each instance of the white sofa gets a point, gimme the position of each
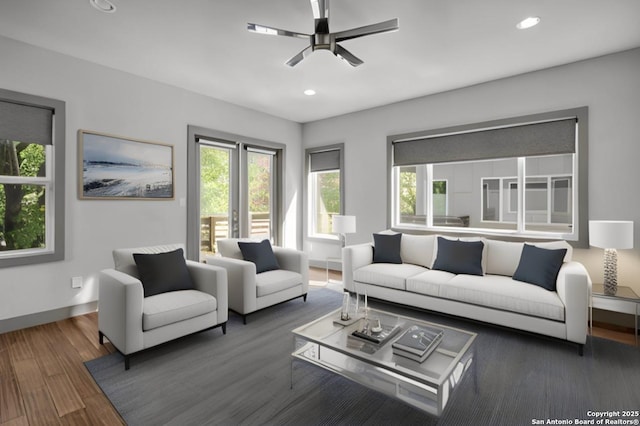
(494, 297)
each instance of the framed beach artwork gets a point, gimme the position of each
(118, 168)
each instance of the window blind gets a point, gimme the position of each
(545, 138)
(324, 160)
(24, 123)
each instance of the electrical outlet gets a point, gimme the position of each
(76, 282)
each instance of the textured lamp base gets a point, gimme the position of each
(610, 271)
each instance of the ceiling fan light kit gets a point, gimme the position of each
(323, 39)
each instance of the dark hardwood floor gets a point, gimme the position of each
(43, 380)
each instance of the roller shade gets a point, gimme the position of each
(324, 160)
(547, 138)
(24, 123)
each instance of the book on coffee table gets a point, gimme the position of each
(418, 342)
(380, 337)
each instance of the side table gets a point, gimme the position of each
(625, 301)
(329, 260)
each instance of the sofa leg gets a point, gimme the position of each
(126, 362)
(100, 337)
(304, 297)
(224, 328)
(244, 319)
(580, 349)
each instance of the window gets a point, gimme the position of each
(516, 177)
(325, 189)
(31, 179)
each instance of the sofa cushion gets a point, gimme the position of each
(386, 248)
(417, 249)
(429, 282)
(277, 280)
(503, 257)
(540, 266)
(459, 257)
(168, 308)
(261, 254)
(163, 272)
(504, 293)
(389, 275)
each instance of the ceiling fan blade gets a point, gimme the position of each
(343, 53)
(380, 27)
(262, 29)
(320, 9)
(300, 56)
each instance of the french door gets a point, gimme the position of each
(238, 190)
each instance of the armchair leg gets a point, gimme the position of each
(100, 337)
(244, 319)
(580, 349)
(304, 297)
(126, 362)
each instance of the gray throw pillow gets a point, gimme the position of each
(459, 257)
(539, 266)
(163, 272)
(261, 254)
(386, 248)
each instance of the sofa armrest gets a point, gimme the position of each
(241, 279)
(355, 257)
(120, 301)
(212, 280)
(574, 289)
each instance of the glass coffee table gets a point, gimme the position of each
(425, 385)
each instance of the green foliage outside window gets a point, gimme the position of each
(22, 207)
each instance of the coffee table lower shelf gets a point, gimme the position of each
(429, 397)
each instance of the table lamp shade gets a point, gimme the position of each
(344, 224)
(611, 235)
(615, 234)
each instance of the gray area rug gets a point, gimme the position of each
(244, 377)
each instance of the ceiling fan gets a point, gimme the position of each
(322, 39)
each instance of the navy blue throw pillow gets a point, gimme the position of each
(539, 266)
(459, 257)
(386, 248)
(261, 254)
(163, 272)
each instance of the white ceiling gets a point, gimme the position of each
(203, 45)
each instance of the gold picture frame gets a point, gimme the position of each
(114, 167)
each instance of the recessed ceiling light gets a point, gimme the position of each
(529, 22)
(309, 92)
(103, 5)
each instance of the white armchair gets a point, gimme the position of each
(133, 322)
(250, 291)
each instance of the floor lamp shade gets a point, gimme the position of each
(611, 235)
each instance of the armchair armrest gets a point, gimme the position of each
(212, 280)
(294, 260)
(574, 289)
(241, 278)
(355, 257)
(120, 301)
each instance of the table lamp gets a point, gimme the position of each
(611, 235)
(343, 225)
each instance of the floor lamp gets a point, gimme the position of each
(611, 235)
(343, 225)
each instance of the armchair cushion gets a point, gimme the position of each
(168, 308)
(163, 272)
(274, 281)
(261, 254)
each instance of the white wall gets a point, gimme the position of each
(104, 100)
(609, 86)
